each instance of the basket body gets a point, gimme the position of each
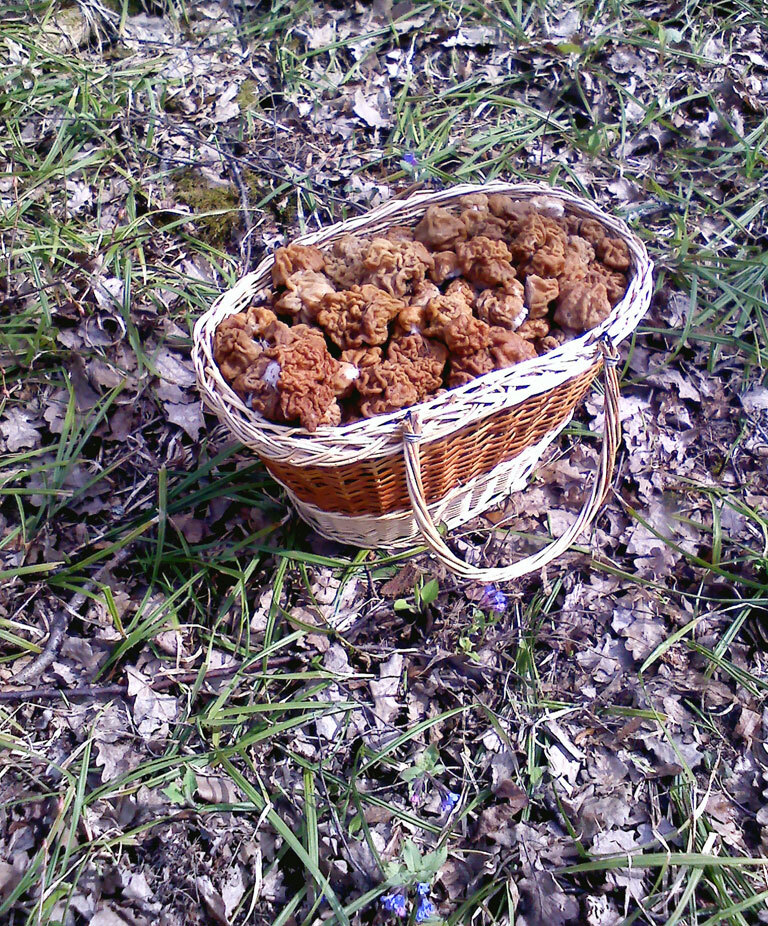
(479, 441)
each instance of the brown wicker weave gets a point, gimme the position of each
(378, 486)
(384, 480)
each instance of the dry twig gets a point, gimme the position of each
(109, 691)
(60, 623)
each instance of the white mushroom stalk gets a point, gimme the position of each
(271, 374)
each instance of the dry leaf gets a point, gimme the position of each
(756, 400)
(212, 899)
(136, 888)
(19, 429)
(232, 890)
(498, 823)
(384, 691)
(565, 27)
(369, 113)
(109, 293)
(173, 368)
(106, 916)
(152, 712)
(544, 903)
(188, 416)
(116, 759)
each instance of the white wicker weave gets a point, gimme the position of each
(464, 503)
(592, 504)
(383, 435)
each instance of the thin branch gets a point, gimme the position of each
(60, 622)
(245, 204)
(110, 691)
(50, 694)
(43, 660)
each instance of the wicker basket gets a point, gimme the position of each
(383, 481)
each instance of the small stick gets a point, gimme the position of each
(109, 691)
(184, 678)
(60, 623)
(245, 204)
(40, 663)
(50, 694)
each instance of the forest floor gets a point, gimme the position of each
(209, 714)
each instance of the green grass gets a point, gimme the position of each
(221, 574)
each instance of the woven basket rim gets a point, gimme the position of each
(380, 435)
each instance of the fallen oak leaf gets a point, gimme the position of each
(19, 429)
(173, 369)
(515, 796)
(151, 711)
(367, 112)
(188, 416)
(497, 823)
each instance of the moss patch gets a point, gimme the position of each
(195, 192)
(134, 7)
(283, 207)
(248, 95)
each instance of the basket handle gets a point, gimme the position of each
(600, 487)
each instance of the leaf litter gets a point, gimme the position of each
(608, 706)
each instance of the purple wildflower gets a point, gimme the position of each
(423, 889)
(494, 599)
(425, 910)
(395, 903)
(417, 791)
(410, 158)
(449, 800)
